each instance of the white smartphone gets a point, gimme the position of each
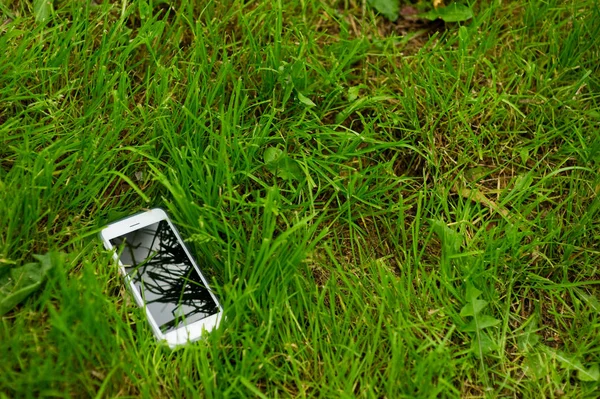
(163, 277)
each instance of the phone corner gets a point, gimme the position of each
(160, 212)
(102, 237)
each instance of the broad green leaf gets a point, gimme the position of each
(389, 8)
(9, 301)
(524, 153)
(353, 93)
(452, 13)
(479, 323)
(535, 365)
(42, 9)
(529, 338)
(589, 300)
(288, 169)
(483, 344)
(472, 292)
(473, 308)
(486, 321)
(48, 260)
(451, 239)
(591, 374)
(22, 281)
(19, 277)
(569, 362)
(305, 100)
(281, 165)
(272, 155)
(145, 9)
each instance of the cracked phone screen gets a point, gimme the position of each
(167, 280)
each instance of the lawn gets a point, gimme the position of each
(386, 209)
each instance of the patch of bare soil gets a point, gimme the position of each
(409, 24)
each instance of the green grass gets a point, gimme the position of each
(436, 236)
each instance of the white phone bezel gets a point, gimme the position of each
(182, 335)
